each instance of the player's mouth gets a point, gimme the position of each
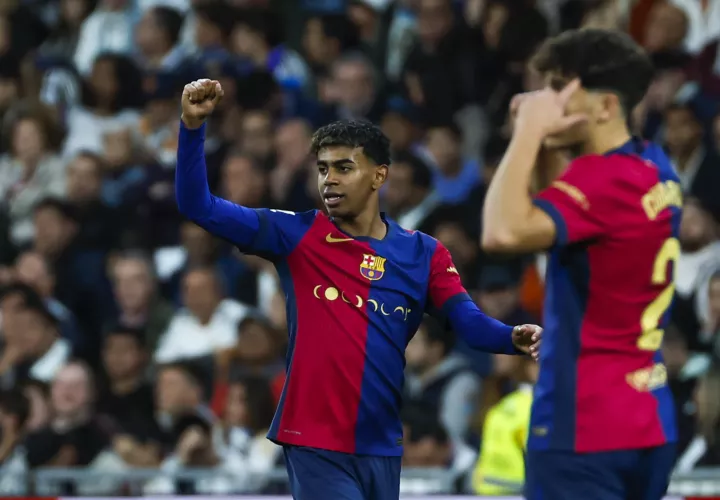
(332, 199)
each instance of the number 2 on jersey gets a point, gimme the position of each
(652, 336)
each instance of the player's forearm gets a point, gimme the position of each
(220, 217)
(480, 331)
(508, 204)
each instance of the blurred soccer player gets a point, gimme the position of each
(357, 286)
(602, 422)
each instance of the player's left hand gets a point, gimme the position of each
(527, 339)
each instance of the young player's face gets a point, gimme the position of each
(347, 179)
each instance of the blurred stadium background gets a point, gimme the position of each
(140, 356)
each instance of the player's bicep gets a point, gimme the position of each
(279, 232)
(445, 289)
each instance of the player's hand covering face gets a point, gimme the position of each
(347, 179)
(199, 99)
(527, 338)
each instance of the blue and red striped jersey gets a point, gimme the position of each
(352, 306)
(609, 290)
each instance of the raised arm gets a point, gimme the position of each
(265, 232)
(227, 220)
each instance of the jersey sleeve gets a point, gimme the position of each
(279, 231)
(444, 285)
(582, 201)
(450, 303)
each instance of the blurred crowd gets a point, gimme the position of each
(131, 338)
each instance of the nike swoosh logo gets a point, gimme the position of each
(329, 238)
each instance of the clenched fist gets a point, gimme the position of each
(199, 99)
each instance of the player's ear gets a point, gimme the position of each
(610, 107)
(381, 173)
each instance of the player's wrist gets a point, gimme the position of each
(530, 131)
(191, 123)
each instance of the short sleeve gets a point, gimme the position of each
(444, 287)
(279, 232)
(579, 201)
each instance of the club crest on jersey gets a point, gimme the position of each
(372, 266)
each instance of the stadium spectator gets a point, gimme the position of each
(38, 394)
(137, 297)
(684, 138)
(31, 170)
(703, 450)
(500, 469)
(454, 176)
(428, 445)
(108, 29)
(240, 437)
(75, 437)
(32, 269)
(409, 196)
(157, 37)
(180, 389)
(14, 415)
(441, 380)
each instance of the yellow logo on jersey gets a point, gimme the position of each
(661, 196)
(648, 379)
(573, 192)
(331, 294)
(372, 266)
(452, 270)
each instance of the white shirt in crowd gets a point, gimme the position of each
(187, 338)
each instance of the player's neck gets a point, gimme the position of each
(364, 225)
(606, 139)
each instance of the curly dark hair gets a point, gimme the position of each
(354, 134)
(602, 60)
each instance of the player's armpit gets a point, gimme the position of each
(537, 232)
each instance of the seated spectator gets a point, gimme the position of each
(111, 96)
(195, 449)
(128, 398)
(441, 379)
(699, 257)
(44, 351)
(31, 170)
(207, 324)
(32, 348)
(704, 449)
(200, 249)
(257, 353)
(157, 36)
(684, 368)
(108, 28)
(179, 390)
(257, 36)
(500, 469)
(80, 280)
(694, 162)
(137, 297)
(14, 415)
(75, 438)
(38, 394)
(241, 436)
(426, 444)
(454, 176)
(32, 269)
(409, 196)
(101, 227)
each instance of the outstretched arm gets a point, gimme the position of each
(451, 302)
